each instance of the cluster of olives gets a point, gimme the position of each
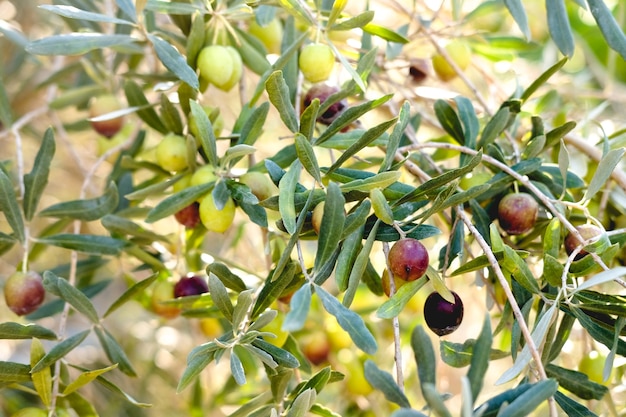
(408, 261)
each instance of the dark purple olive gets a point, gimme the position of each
(441, 316)
(194, 285)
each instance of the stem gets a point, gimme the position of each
(395, 322)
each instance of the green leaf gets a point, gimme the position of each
(253, 126)
(384, 33)
(77, 43)
(491, 407)
(205, 131)
(35, 181)
(300, 305)
(252, 52)
(480, 359)
(230, 280)
(527, 402)
(361, 143)
(14, 372)
(348, 116)
(77, 299)
(318, 381)
(133, 291)
(384, 382)
(42, 380)
(302, 404)
(359, 267)
(559, 26)
(281, 356)
(86, 210)
(606, 166)
(530, 90)
(424, 356)
(119, 225)
(516, 8)
(171, 117)
(236, 368)
(85, 378)
(118, 391)
(176, 202)
(571, 407)
(381, 180)
(449, 120)
(358, 21)
(198, 359)
(520, 270)
(307, 157)
(396, 136)
(242, 308)
(381, 207)
(6, 116)
(609, 27)
(459, 355)
(403, 412)
(60, 350)
(92, 244)
(393, 306)
(350, 321)
(333, 219)
(601, 278)
(114, 351)
(538, 337)
(599, 333)
(495, 126)
(14, 331)
(278, 93)
(576, 382)
(220, 297)
(75, 13)
(9, 206)
(174, 61)
(136, 98)
(286, 190)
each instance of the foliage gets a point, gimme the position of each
(296, 321)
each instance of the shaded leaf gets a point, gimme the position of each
(9, 206)
(559, 26)
(307, 157)
(220, 297)
(85, 378)
(609, 27)
(75, 13)
(92, 244)
(571, 407)
(77, 43)
(174, 61)
(77, 299)
(384, 382)
(136, 289)
(14, 331)
(114, 351)
(576, 382)
(60, 350)
(286, 190)
(333, 219)
(605, 167)
(14, 372)
(35, 181)
(278, 93)
(176, 202)
(350, 321)
(300, 305)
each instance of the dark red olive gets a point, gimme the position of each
(194, 285)
(322, 92)
(517, 213)
(189, 216)
(443, 317)
(408, 259)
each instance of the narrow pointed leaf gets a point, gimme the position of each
(333, 220)
(449, 120)
(559, 26)
(396, 136)
(86, 210)
(136, 98)
(480, 359)
(530, 90)
(92, 244)
(516, 8)
(384, 382)
(85, 378)
(576, 382)
(300, 304)
(236, 368)
(76, 13)
(14, 331)
(6, 116)
(220, 297)
(286, 190)
(176, 202)
(114, 351)
(605, 167)
(174, 61)
(281, 356)
(9, 206)
(35, 181)
(571, 407)
(350, 321)
(424, 356)
(60, 350)
(278, 93)
(205, 130)
(42, 380)
(78, 300)
(77, 43)
(527, 402)
(393, 306)
(494, 127)
(14, 372)
(360, 266)
(609, 27)
(307, 157)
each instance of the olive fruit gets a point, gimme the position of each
(24, 292)
(408, 259)
(271, 34)
(214, 219)
(101, 105)
(164, 291)
(171, 153)
(517, 213)
(203, 175)
(189, 216)
(592, 365)
(418, 70)
(443, 317)
(459, 52)
(193, 285)
(220, 65)
(386, 283)
(214, 115)
(587, 231)
(322, 92)
(316, 62)
(260, 184)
